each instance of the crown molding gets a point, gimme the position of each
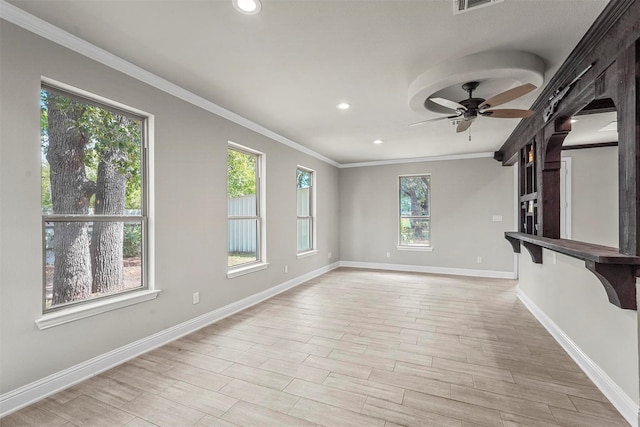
(416, 160)
(19, 17)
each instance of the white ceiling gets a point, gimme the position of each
(287, 67)
(588, 129)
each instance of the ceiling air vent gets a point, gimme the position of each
(460, 6)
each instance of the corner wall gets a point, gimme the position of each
(465, 196)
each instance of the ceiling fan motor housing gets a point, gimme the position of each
(471, 105)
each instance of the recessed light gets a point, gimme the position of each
(248, 7)
(343, 106)
(378, 141)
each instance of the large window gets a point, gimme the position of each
(244, 205)
(93, 199)
(415, 211)
(305, 200)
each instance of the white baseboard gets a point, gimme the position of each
(37, 390)
(429, 269)
(623, 403)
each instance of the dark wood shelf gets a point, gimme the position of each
(530, 196)
(576, 249)
(616, 271)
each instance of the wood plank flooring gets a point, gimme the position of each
(349, 348)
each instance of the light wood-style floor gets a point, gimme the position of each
(350, 348)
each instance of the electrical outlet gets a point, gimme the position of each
(196, 297)
(555, 260)
(479, 260)
(286, 268)
(497, 218)
(329, 255)
(388, 254)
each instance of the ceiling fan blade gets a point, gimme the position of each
(433, 120)
(508, 95)
(463, 125)
(449, 104)
(508, 113)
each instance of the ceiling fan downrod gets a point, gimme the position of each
(470, 87)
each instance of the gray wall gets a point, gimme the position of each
(571, 296)
(594, 196)
(190, 212)
(465, 195)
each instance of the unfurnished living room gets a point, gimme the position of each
(319, 213)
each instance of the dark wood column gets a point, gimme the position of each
(628, 103)
(619, 82)
(549, 163)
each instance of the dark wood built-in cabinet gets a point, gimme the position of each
(606, 64)
(528, 190)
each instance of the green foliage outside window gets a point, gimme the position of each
(241, 174)
(303, 178)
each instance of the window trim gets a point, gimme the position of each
(261, 209)
(413, 247)
(95, 306)
(312, 250)
(82, 309)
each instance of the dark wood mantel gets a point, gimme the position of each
(616, 271)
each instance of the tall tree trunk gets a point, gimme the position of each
(107, 240)
(416, 210)
(70, 194)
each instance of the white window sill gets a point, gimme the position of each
(307, 253)
(416, 248)
(246, 270)
(82, 311)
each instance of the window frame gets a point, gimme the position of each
(75, 310)
(312, 250)
(261, 236)
(413, 247)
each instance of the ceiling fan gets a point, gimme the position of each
(467, 110)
